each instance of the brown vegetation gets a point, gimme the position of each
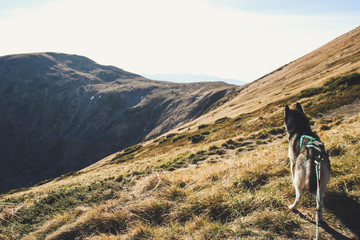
(232, 182)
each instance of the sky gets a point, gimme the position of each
(228, 39)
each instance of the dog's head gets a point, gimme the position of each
(296, 120)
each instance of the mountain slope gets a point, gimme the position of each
(338, 57)
(224, 177)
(62, 112)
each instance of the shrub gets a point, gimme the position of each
(343, 81)
(197, 138)
(215, 150)
(325, 127)
(199, 156)
(178, 162)
(125, 155)
(213, 147)
(259, 142)
(325, 121)
(310, 92)
(230, 144)
(206, 133)
(221, 120)
(171, 135)
(260, 135)
(242, 116)
(178, 137)
(132, 149)
(203, 126)
(120, 158)
(336, 92)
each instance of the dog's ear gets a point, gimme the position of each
(287, 110)
(299, 107)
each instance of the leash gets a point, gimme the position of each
(318, 175)
(319, 147)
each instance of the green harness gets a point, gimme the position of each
(315, 144)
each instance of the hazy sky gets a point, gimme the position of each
(238, 39)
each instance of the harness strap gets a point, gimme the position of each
(314, 143)
(308, 137)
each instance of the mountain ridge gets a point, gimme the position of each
(63, 112)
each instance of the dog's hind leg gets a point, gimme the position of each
(299, 188)
(297, 199)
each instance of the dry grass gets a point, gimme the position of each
(228, 179)
(309, 71)
(242, 195)
(232, 195)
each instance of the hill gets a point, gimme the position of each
(224, 175)
(338, 57)
(62, 112)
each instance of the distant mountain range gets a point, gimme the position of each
(60, 113)
(189, 78)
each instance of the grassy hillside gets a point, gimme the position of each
(227, 179)
(339, 57)
(223, 176)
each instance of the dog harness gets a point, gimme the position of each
(314, 143)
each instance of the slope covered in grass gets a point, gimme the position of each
(226, 179)
(337, 58)
(224, 175)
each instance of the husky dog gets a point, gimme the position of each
(305, 150)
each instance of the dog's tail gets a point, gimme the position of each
(311, 184)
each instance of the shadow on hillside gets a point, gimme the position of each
(323, 225)
(346, 208)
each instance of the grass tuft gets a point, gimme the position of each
(274, 222)
(336, 150)
(152, 211)
(94, 221)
